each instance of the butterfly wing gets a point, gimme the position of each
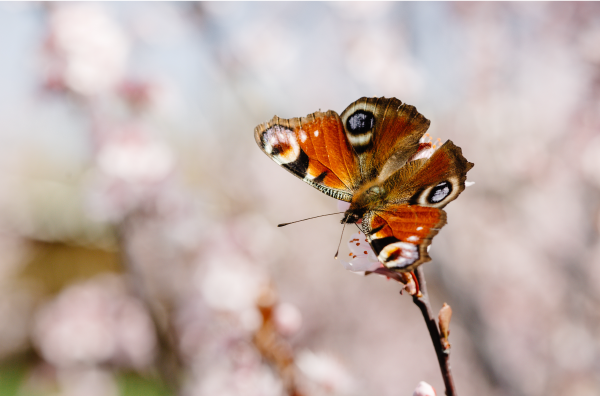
(433, 182)
(372, 144)
(384, 133)
(373, 138)
(401, 231)
(315, 149)
(401, 236)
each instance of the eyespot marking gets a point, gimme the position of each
(360, 122)
(281, 144)
(437, 195)
(439, 192)
(399, 255)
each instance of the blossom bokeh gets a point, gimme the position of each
(140, 253)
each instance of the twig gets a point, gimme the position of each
(421, 299)
(273, 348)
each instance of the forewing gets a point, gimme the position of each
(315, 149)
(400, 236)
(384, 133)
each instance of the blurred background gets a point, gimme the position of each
(139, 248)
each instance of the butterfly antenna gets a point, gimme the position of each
(340, 243)
(284, 224)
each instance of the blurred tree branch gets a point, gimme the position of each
(168, 360)
(272, 346)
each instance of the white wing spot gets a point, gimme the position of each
(419, 228)
(406, 253)
(440, 193)
(413, 238)
(303, 136)
(316, 133)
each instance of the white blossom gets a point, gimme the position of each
(362, 258)
(89, 49)
(424, 389)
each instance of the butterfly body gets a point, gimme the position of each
(373, 156)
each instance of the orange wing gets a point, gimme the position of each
(400, 236)
(315, 149)
(384, 133)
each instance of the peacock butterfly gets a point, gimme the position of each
(374, 156)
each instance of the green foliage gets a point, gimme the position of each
(12, 374)
(132, 384)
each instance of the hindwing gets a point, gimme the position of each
(431, 182)
(400, 232)
(400, 236)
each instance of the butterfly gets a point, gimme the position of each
(374, 156)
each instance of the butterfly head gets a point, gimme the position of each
(351, 217)
(364, 200)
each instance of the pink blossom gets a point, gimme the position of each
(95, 322)
(426, 147)
(288, 318)
(326, 371)
(88, 51)
(230, 282)
(132, 169)
(133, 156)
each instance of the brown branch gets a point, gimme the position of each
(421, 299)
